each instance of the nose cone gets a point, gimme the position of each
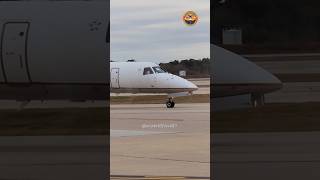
(181, 84)
(189, 85)
(230, 69)
(185, 85)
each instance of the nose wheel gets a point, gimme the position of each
(170, 103)
(257, 100)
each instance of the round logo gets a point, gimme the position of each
(190, 18)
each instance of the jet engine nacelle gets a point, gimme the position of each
(54, 50)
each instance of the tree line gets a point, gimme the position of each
(193, 67)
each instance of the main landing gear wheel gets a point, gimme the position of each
(170, 103)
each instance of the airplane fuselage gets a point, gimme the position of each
(145, 77)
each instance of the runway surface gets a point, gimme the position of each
(288, 67)
(266, 156)
(152, 140)
(298, 92)
(295, 92)
(53, 157)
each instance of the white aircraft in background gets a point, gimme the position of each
(147, 77)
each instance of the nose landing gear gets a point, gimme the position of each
(257, 99)
(170, 103)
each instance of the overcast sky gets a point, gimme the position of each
(153, 30)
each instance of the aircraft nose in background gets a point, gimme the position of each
(235, 75)
(230, 68)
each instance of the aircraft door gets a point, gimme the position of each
(115, 78)
(14, 52)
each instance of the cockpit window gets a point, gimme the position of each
(158, 69)
(147, 71)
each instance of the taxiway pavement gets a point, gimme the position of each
(150, 139)
(266, 156)
(53, 157)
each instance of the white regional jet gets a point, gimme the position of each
(147, 77)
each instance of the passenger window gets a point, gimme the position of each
(147, 71)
